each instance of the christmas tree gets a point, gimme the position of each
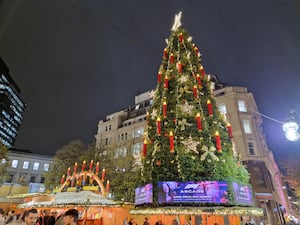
(187, 138)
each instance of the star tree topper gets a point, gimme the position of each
(177, 21)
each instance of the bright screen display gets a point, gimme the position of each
(193, 192)
(242, 194)
(144, 194)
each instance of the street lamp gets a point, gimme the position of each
(291, 127)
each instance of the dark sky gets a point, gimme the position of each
(77, 61)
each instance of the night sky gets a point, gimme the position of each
(77, 61)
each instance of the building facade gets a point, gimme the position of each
(239, 108)
(123, 132)
(12, 107)
(25, 167)
(25, 175)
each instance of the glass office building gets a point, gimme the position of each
(11, 107)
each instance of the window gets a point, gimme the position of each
(32, 178)
(46, 167)
(121, 152)
(14, 163)
(136, 150)
(223, 110)
(242, 106)
(36, 166)
(42, 180)
(251, 148)
(106, 141)
(247, 126)
(138, 132)
(25, 165)
(10, 178)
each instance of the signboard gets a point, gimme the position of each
(90, 188)
(36, 188)
(242, 194)
(71, 189)
(144, 194)
(193, 192)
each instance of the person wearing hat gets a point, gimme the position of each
(71, 217)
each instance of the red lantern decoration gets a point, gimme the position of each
(218, 141)
(75, 168)
(229, 130)
(165, 109)
(199, 80)
(107, 186)
(171, 140)
(158, 126)
(62, 180)
(166, 82)
(209, 108)
(202, 71)
(172, 58)
(103, 175)
(165, 53)
(179, 67)
(145, 148)
(91, 164)
(195, 91)
(181, 37)
(83, 166)
(196, 49)
(97, 168)
(158, 77)
(92, 179)
(199, 124)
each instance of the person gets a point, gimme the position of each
(2, 217)
(146, 221)
(125, 221)
(48, 218)
(31, 216)
(174, 222)
(71, 217)
(10, 217)
(130, 222)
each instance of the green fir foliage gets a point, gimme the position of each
(186, 93)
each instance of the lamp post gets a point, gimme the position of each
(291, 127)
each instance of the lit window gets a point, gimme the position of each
(46, 167)
(138, 132)
(25, 165)
(14, 163)
(242, 106)
(120, 152)
(3, 161)
(247, 126)
(36, 166)
(251, 148)
(136, 150)
(223, 110)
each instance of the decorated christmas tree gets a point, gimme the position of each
(187, 138)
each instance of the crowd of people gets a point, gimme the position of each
(35, 217)
(133, 222)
